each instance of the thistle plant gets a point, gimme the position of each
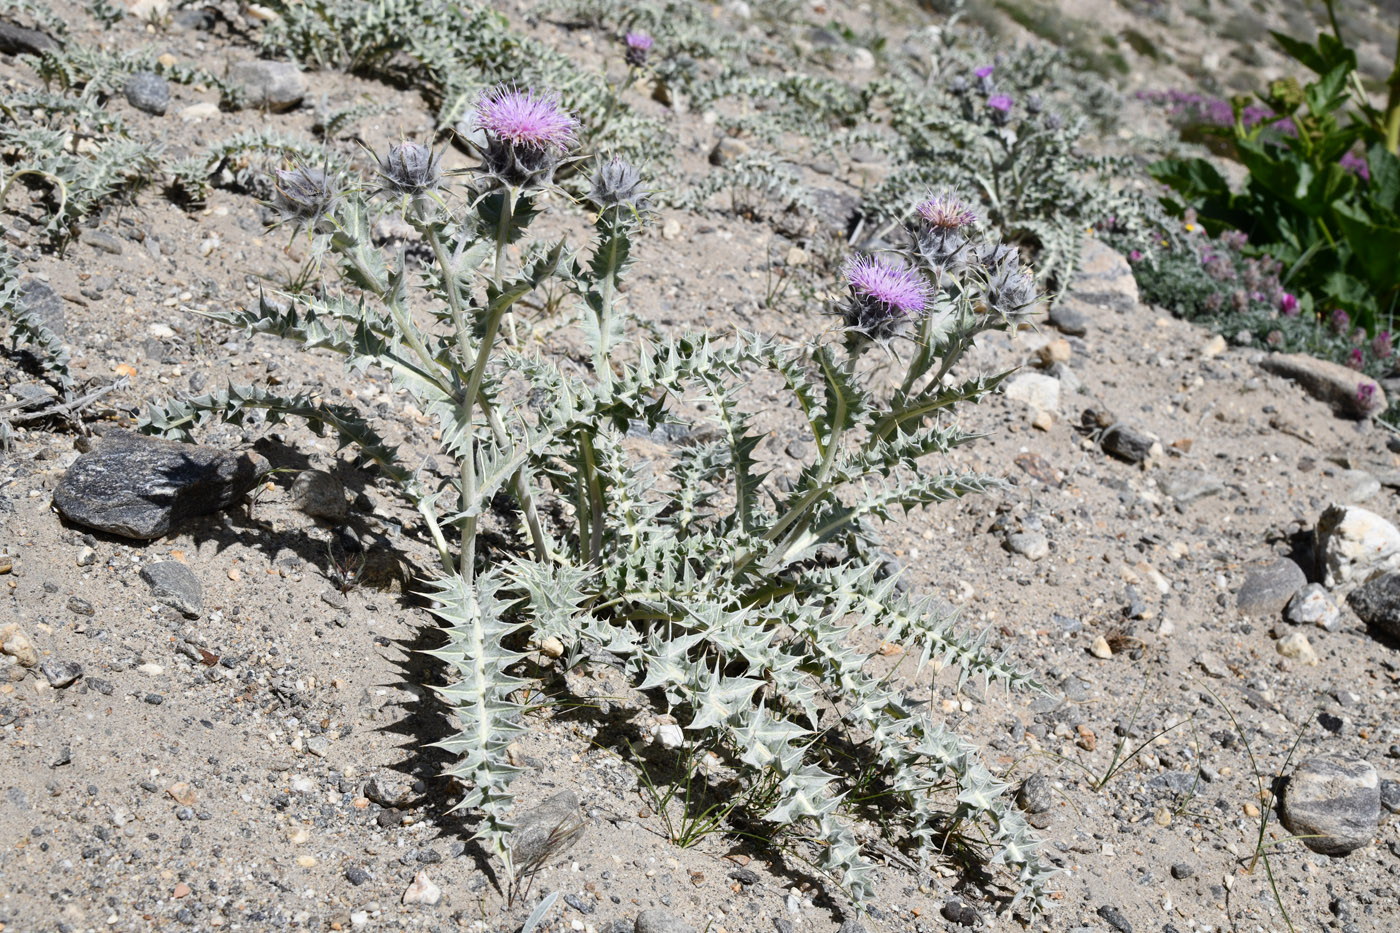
(735, 602)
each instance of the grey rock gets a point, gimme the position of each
(1213, 666)
(356, 875)
(1182, 871)
(1269, 587)
(37, 297)
(544, 832)
(144, 487)
(1186, 486)
(60, 673)
(148, 91)
(1114, 917)
(840, 209)
(1069, 319)
(101, 240)
(16, 40)
(320, 495)
(956, 910)
(385, 792)
(1104, 277)
(1361, 485)
(1390, 795)
(1312, 606)
(1129, 444)
(1030, 544)
(1378, 604)
(1035, 794)
(1336, 802)
(175, 585)
(276, 86)
(659, 921)
(852, 926)
(1338, 386)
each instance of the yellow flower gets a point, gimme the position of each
(1190, 228)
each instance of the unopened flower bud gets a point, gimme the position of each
(410, 168)
(617, 184)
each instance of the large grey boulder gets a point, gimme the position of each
(146, 487)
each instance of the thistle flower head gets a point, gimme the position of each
(617, 184)
(303, 195)
(1356, 359)
(638, 48)
(945, 211)
(1380, 345)
(527, 132)
(1340, 321)
(1288, 304)
(526, 118)
(410, 168)
(938, 234)
(1000, 102)
(885, 296)
(1366, 394)
(985, 71)
(1007, 290)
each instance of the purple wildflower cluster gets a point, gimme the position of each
(527, 133)
(1188, 108)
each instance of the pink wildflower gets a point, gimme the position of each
(1288, 304)
(1356, 359)
(526, 118)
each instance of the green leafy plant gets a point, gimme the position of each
(735, 602)
(1323, 192)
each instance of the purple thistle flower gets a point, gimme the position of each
(1135, 255)
(1366, 394)
(1000, 106)
(885, 295)
(638, 46)
(1288, 304)
(939, 238)
(1341, 321)
(945, 212)
(526, 134)
(1380, 346)
(1356, 359)
(525, 118)
(985, 71)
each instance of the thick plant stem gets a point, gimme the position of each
(595, 495)
(494, 313)
(454, 294)
(601, 366)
